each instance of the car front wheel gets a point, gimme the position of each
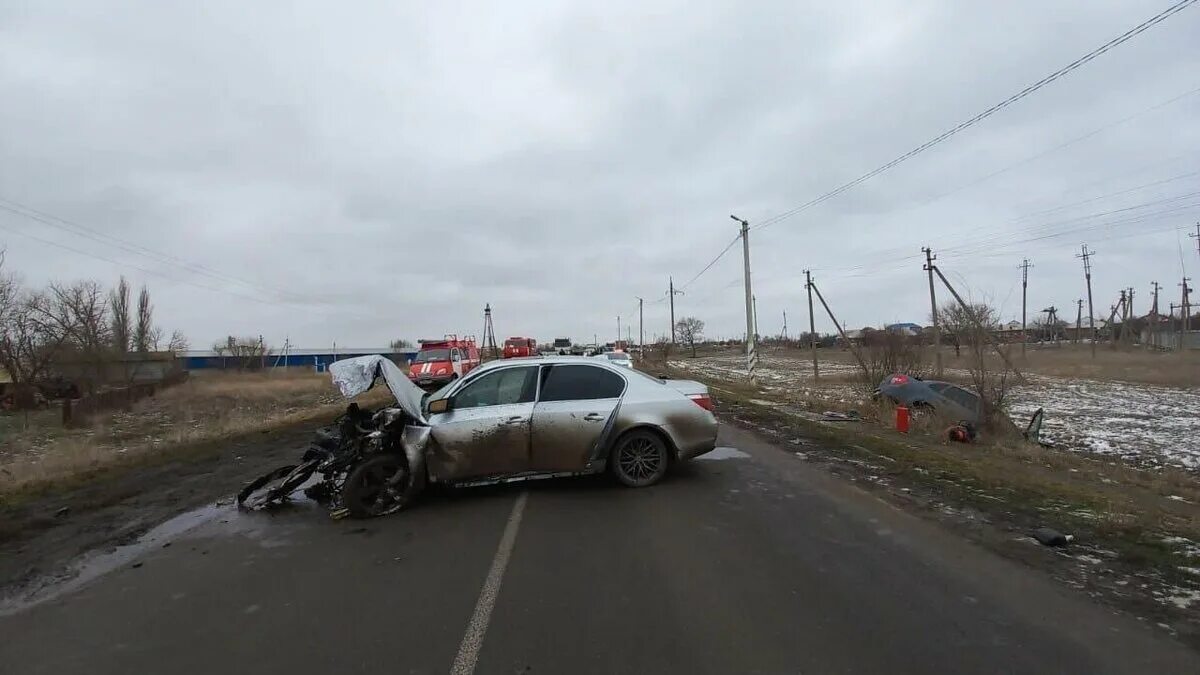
(639, 459)
(381, 485)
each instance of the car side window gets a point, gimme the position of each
(500, 387)
(962, 397)
(455, 355)
(580, 382)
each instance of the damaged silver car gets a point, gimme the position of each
(510, 420)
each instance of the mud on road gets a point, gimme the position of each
(40, 536)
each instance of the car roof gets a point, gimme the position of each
(544, 359)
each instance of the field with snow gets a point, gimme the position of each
(1142, 423)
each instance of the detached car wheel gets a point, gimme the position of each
(381, 485)
(639, 459)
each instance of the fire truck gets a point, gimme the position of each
(520, 346)
(440, 361)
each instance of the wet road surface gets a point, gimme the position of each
(749, 562)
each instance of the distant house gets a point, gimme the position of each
(909, 329)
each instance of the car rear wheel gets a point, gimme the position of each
(639, 459)
(381, 485)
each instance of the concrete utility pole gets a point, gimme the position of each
(785, 325)
(812, 330)
(1024, 267)
(1196, 236)
(672, 293)
(1154, 317)
(1078, 319)
(1171, 315)
(751, 355)
(937, 333)
(641, 328)
(1127, 331)
(1186, 308)
(754, 301)
(618, 329)
(1087, 273)
(1112, 320)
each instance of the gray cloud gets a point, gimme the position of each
(375, 171)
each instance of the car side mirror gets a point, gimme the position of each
(440, 405)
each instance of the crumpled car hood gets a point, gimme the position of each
(356, 375)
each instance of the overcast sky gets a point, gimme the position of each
(357, 172)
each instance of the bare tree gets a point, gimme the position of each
(401, 343)
(178, 343)
(27, 346)
(885, 352)
(959, 322)
(118, 300)
(971, 325)
(689, 329)
(246, 353)
(143, 332)
(78, 313)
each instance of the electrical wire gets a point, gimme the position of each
(166, 259)
(1077, 63)
(707, 267)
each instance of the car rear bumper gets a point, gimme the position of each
(700, 439)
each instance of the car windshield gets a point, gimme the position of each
(562, 343)
(427, 355)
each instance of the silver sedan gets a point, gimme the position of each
(538, 417)
(535, 417)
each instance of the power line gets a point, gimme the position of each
(167, 259)
(707, 267)
(1077, 63)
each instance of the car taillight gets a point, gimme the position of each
(702, 400)
(899, 379)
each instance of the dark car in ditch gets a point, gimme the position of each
(947, 398)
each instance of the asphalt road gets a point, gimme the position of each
(744, 564)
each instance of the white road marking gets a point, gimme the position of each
(468, 650)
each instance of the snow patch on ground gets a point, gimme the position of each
(1144, 423)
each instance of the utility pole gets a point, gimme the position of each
(1154, 317)
(785, 325)
(641, 329)
(1024, 267)
(618, 329)
(1196, 236)
(1087, 273)
(672, 293)
(754, 301)
(812, 330)
(1078, 319)
(937, 333)
(1127, 330)
(1171, 315)
(1112, 320)
(751, 355)
(1185, 308)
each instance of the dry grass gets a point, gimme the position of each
(201, 410)
(1125, 364)
(1127, 507)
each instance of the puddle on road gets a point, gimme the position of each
(723, 453)
(226, 518)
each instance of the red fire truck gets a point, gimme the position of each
(440, 361)
(520, 346)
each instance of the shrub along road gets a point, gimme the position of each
(752, 561)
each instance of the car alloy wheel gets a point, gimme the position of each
(640, 459)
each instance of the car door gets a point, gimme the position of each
(574, 406)
(966, 401)
(486, 429)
